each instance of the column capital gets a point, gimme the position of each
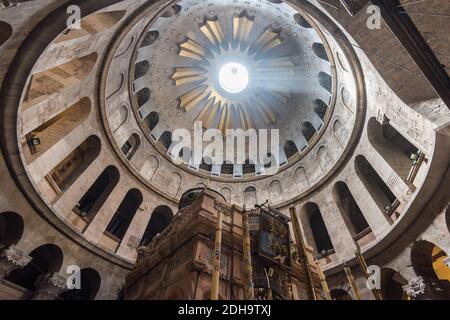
(12, 258)
(50, 286)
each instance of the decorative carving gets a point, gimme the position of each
(12, 258)
(223, 208)
(415, 287)
(50, 286)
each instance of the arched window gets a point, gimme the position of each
(308, 130)
(325, 81)
(141, 68)
(46, 259)
(90, 284)
(5, 32)
(160, 219)
(150, 38)
(125, 214)
(166, 139)
(250, 197)
(11, 229)
(317, 229)
(248, 167)
(380, 192)
(70, 169)
(95, 197)
(131, 146)
(320, 108)
(152, 120)
(143, 96)
(290, 149)
(398, 152)
(320, 51)
(350, 211)
(302, 21)
(173, 10)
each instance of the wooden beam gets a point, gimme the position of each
(409, 36)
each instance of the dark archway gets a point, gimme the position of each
(318, 230)
(95, 197)
(90, 284)
(350, 211)
(11, 229)
(46, 259)
(160, 219)
(132, 145)
(340, 294)
(125, 214)
(5, 32)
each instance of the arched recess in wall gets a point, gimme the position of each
(340, 132)
(131, 146)
(382, 195)
(45, 83)
(392, 146)
(90, 284)
(316, 231)
(141, 68)
(226, 193)
(115, 84)
(71, 168)
(340, 294)
(302, 21)
(301, 179)
(325, 81)
(350, 211)
(38, 141)
(323, 158)
(11, 229)
(119, 118)
(392, 285)
(149, 168)
(143, 96)
(122, 218)
(159, 221)
(175, 183)
(92, 24)
(95, 197)
(5, 32)
(166, 139)
(46, 259)
(250, 197)
(275, 192)
(429, 261)
(320, 51)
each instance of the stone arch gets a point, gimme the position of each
(395, 149)
(349, 209)
(149, 168)
(43, 84)
(143, 96)
(324, 159)
(131, 146)
(166, 139)
(121, 220)
(375, 185)
(172, 11)
(150, 38)
(226, 193)
(290, 148)
(340, 294)
(5, 32)
(320, 108)
(346, 98)
(115, 84)
(302, 21)
(119, 118)
(275, 192)
(71, 168)
(159, 221)
(320, 51)
(250, 198)
(308, 130)
(39, 140)
(152, 120)
(316, 231)
(90, 284)
(325, 81)
(46, 259)
(96, 195)
(141, 68)
(11, 229)
(174, 184)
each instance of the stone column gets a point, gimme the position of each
(49, 286)
(12, 258)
